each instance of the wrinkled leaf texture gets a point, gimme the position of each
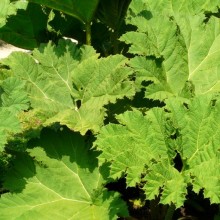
(70, 84)
(58, 179)
(143, 145)
(176, 49)
(176, 43)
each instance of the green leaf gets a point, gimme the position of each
(82, 10)
(42, 91)
(167, 7)
(167, 34)
(201, 176)
(60, 179)
(8, 8)
(83, 119)
(132, 147)
(27, 28)
(97, 82)
(199, 140)
(112, 12)
(143, 148)
(164, 45)
(9, 125)
(59, 64)
(108, 83)
(198, 129)
(71, 83)
(163, 177)
(151, 70)
(15, 97)
(102, 81)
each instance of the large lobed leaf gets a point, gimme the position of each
(143, 148)
(71, 83)
(138, 143)
(60, 179)
(176, 43)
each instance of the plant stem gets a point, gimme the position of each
(115, 41)
(88, 33)
(170, 211)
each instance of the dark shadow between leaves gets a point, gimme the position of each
(146, 14)
(65, 142)
(22, 167)
(138, 101)
(61, 47)
(56, 145)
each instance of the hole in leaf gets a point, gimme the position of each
(178, 164)
(209, 14)
(186, 105)
(213, 102)
(78, 103)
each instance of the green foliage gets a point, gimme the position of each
(8, 8)
(144, 145)
(73, 120)
(57, 182)
(32, 22)
(185, 44)
(63, 88)
(82, 10)
(27, 26)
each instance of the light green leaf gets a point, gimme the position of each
(71, 83)
(135, 145)
(146, 146)
(204, 57)
(163, 176)
(9, 124)
(15, 97)
(149, 70)
(96, 82)
(101, 81)
(59, 180)
(59, 63)
(206, 176)
(182, 42)
(83, 119)
(164, 45)
(167, 7)
(199, 130)
(197, 124)
(42, 89)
